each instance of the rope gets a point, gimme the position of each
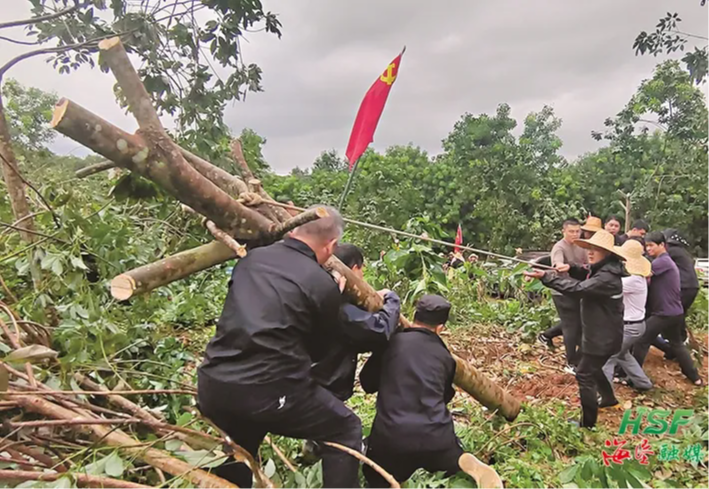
(415, 236)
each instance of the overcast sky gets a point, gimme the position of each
(462, 56)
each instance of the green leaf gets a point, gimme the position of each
(114, 465)
(173, 445)
(568, 474)
(184, 419)
(78, 263)
(202, 458)
(270, 468)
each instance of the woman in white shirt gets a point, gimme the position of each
(634, 298)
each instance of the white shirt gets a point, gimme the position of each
(634, 297)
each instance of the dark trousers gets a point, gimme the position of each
(402, 464)
(296, 409)
(592, 381)
(569, 310)
(687, 296)
(554, 331)
(671, 329)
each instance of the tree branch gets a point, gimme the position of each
(83, 480)
(92, 169)
(43, 18)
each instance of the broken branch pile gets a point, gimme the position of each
(47, 433)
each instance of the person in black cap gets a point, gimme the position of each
(359, 331)
(414, 376)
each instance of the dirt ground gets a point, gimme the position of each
(534, 374)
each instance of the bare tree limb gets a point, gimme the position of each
(83, 480)
(43, 18)
(92, 169)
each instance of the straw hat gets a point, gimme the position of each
(635, 262)
(602, 239)
(593, 224)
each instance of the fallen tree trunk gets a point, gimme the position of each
(117, 438)
(148, 277)
(82, 480)
(130, 151)
(74, 121)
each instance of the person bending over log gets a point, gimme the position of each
(600, 290)
(359, 331)
(414, 376)
(255, 378)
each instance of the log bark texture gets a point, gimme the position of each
(167, 270)
(123, 149)
(127, 444)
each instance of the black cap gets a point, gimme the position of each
(673, 237)
(432, 310)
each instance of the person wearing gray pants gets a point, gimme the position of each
(634, 298)
(632, 332)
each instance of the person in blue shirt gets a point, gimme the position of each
(359, 331)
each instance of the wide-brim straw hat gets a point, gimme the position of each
(603, 240)
(593, 224)
(635, 262)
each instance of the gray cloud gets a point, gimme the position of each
(461, 57)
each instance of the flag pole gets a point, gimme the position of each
(348, 185)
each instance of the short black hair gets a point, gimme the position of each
(655, 237)
(614, 218)
(571, 221)
(640, 224)
(349, 254)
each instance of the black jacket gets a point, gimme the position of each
(414, 377)
(279, 315)
(360, 332)
(685, 264)
(601, 295)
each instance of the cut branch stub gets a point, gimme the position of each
(185, 182)
(294, 222)
(169, 269)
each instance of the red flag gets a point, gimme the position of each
(458, 239)
(370, 111)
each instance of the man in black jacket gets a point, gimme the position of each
(359, 331)
(280, 309)
(414, 376)
(600, 289)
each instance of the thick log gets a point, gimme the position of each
(167, 270)
(130, 151)
(117, 438)
(82, 480)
